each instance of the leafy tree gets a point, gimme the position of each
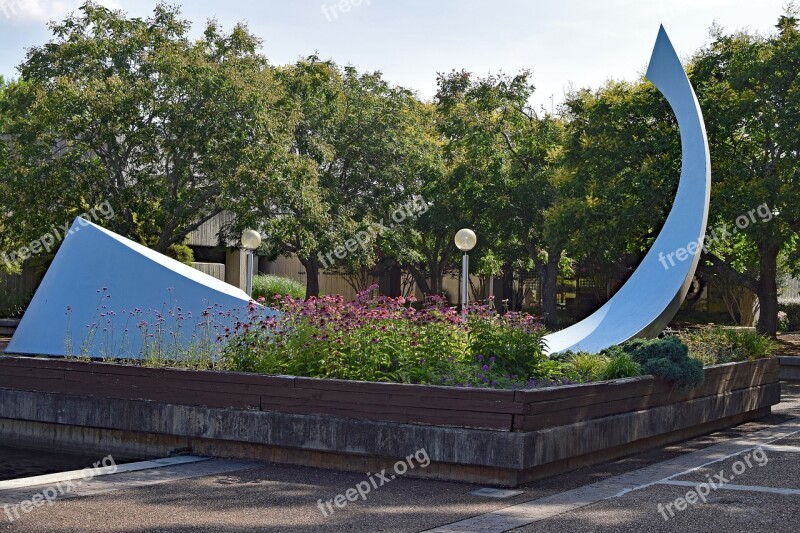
(170, 131)
(504, 153)
(749, 89)
(360, 147)
(7, 242)
(621, 168)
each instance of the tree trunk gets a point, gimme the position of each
(312, 276)
(768, 288)
(395, 282)
(419, 277)
(549, 276)
(434, 267)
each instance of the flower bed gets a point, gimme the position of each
(397, 340)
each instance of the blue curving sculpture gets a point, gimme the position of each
(107, 296)
(650, 298)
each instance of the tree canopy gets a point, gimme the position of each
(172, 131)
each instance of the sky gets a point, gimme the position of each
(567, 44)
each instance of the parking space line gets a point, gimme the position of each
(728, 486)
(781, 448)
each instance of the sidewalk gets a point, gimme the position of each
(228, 496)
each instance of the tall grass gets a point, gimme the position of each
(268, 286)
(716, 345)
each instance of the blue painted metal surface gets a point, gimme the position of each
(107, 296)
(653, 294)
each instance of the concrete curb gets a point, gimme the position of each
(790, 368)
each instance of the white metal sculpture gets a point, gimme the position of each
(107, 296)
(653, 294)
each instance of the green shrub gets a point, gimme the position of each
(181, 253)
(516, 348)
(269, 286)
(620, 364)
(591, 367)
(717, 345)
(667, 359)
(558, 371)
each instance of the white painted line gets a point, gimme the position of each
(728, 486)
(739, 446)
(526, 513)
(73, 475)
(781, 448)
(496, 493)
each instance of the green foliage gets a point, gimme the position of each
(168, 128)
(556, 371)
(503, 156)
(592, 367)
(667, 359)
(718, 345)
(517, 350)
(620, 365)
(385, 339)
(13, 305)
(749, 93)
(379, 349)
(180, 252)
(621, 160)
(268, 286)
(361, 145)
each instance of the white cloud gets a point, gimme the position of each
(43, 10)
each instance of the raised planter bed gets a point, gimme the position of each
(790, 368)
(8, 326)
(486, 436)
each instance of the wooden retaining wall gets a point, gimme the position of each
(510, 411)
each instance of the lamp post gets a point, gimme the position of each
(465, 241)
(251, 240)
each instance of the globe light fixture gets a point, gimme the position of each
(465, 241)
(251, 240)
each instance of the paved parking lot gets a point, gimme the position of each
(649, 492)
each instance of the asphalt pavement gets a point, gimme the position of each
(758, 461)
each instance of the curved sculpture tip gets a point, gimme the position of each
(654, 292)
(663, 54)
